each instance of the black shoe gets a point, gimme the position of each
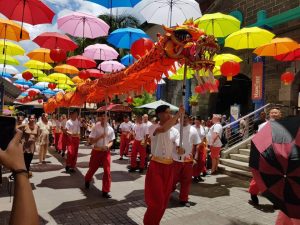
(132, 169)
(106, 195)
(87, 185)
(254, 200)
(200, 179)
(141, 170)
(63, 154)
(185, 204)
(72, 170)
(121, 158)
(195, 180)
(67, 169)
(204, 174)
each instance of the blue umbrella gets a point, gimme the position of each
(48, 92)
(125, 37)
(23, 82)
(127, 60)
(116, 3)
(6, 75)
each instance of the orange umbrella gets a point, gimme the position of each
(11, 30)
(40, 54)
(77, 80)
(65, 68)
(277, 46)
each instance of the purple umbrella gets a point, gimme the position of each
(100, 52)
(111, 66)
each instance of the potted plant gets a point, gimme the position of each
(194, 100)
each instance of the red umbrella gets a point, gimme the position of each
(95, 73)
(54, 40)
(28, 11)
(291, 56)
(115, 108)
(80, 61)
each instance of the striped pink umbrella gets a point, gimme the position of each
(100, 52)
(111, 66)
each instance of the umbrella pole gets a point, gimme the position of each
(21, 33)
(83, 40)
(171, 9)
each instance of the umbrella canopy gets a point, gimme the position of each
(125, 37)
(114, 108)
(19, 76)
(59, 76)
(64, 81)
(111, 66)
(7, 59)
(45, 79)
(10, 48)
(33, 89)
(34, 64)
(218, 24)
(248, 38)
(116, 3)
(127, 60)
(65, 68)
(41, 85)
(83, 25)
(49, 92)
(221, 58)
(23, 82)
(275, 163)
(8, 69)
(82, 62)
(6, 75)
(54, 40)
(95, 73)
(290, 56)
(35, 72)
(100, 52)
(169, 12)
(64, 86)
(40, 54)
(77, 80)
(277, 46)
(154, 105)
(11, 30)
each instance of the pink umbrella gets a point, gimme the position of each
(111, 66)
(100, 52)
(82, 62)
(95, 73)
(83, 25)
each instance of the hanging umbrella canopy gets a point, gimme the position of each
(100, 52)
(6, 75)
(277, 46)
(169, 12)
(77, 80)
(116, 3)
(19, 76)
(248, 38)
(218, 24)
(95, 73)
(35, 72)
(49, 92)
(154, 105)
(125, 37)
(45, 79)
(40, 54)
(64, 86)
(64, 81)
(221, 58)
(8, 69)
(10, 48)
(23, 82)
(33, 89)
(11, 30)
(65, 68)
(59, 76)
(34, 64)
(81, 62)
(83, 25)
(111, 66)
(7, 59)
(41, 85)
(54, 40)
(127, 60)
(290, 56)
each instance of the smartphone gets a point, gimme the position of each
(7, 130)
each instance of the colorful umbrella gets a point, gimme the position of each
(100, 52)
(116, 3)
(11, 30)
(248, 38)
(65, 68)
(124, 37)
(290, 56)
(77, 80)
(8, 69)
(49, 92)
(127, 60)
(34, 64)
(6, 75)
(19, 76)
(23, 82)
(59, 76)
(40, 54)
(35, 72)
(6, 59)
(111, 66)
(95, 73)
(10, 48)
(64, 86)
(277, 46)
(33, 89)
(41, 85)
(45, 79)
(64, 81)
(81, 62)
(54, 40)
(218, 24)
(275, 163)
(221, 58)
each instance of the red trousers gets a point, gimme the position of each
(62, 144)
(183, 172)
(253, 188)
(200, 166)
(100, 159)
(72, 148)
(158, 187)
(56, 140)
(124, 144)
(138, 148)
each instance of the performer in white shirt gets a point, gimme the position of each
(101, 136)
(183, 164)
(73, 133)
(146, 121)
(159, 178)
(62, 144)
(125, 129)
(140, 137)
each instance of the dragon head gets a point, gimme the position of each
(189, 44)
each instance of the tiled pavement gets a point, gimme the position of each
(62, 199)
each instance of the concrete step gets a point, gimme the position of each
(235, 172)
(249, 145)
(244, 151)
(240, 157)
(235, 164)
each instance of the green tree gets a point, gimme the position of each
(145, 98)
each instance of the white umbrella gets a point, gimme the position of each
(154, 105)
(169, 12)
(8, 69)
(19, 76)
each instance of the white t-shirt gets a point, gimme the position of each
(163, 144)
(98, 130)
(73, 126)
(140, 130)
(201, 131)
(190, 138)
(148, 124)
(63, 123)
(126, 127)
(216, 128)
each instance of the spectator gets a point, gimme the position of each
(43, 137)
(262, 119)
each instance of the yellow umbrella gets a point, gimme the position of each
(218, 24)
(65, 68)
(63, 86)
(77, 80)
(277, 46)
(40, 54)
(64, 81)
(6, 59)
(57, 76)
(34, 64)
(179, 74)
(35, 72)
(45, 79)
(11, 30)
(216, 72)
(248, 38)
(220, 59)
(10, 48)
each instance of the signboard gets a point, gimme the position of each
(234, 115)
(257, 81)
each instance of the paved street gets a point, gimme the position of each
(62, 199)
